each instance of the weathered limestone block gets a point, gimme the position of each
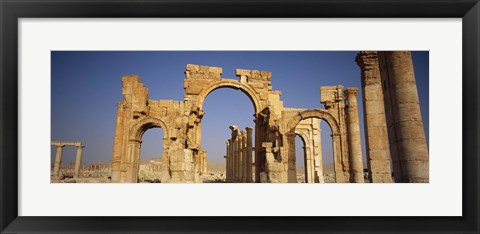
(330, 95)
(202, 72)
(276, 171)
(135, 94)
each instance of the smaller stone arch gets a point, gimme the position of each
(139, 128)
(315, 113)
(336, 135)
(302, 136)
(226, 83)
(134, 143)
(310, 132)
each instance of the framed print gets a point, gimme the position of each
(381, 94)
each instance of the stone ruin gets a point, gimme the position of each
(58, 158)
(97, 172)
(391, 114)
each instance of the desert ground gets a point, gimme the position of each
(99, 172)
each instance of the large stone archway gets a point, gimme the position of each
(183, 159)
(202, 80)
(233, 84)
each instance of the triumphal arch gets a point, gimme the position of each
(275, 129)
(270, 157)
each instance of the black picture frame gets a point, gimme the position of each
(11, 11)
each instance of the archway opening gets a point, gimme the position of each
(223, 107)
(314, 156)
(151, 153)
(301, 160)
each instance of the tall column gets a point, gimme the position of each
(78, 161)
(404, 120)
(378, 160)
(353, 131)
(227, 164)
(240, 157)
(318, 156)
(243, 152)
(58, 161)
(237, 159)
(238, 167)
(308, 167)
(337, 157)
(244, 156)
(232, 160)
(259, 157)
(205, 163)
(233, 153)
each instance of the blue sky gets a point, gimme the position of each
(86, 85)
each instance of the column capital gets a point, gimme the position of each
(234, 129)
(351, 93)
(365, 59)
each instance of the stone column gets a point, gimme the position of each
(58, 161)
(353, 131)
(232, 160)
(378, 160)
(259, 157)
(133, 156)
(235, 150)
(291, 160)
(318, 160)
(241, 160)
(404, 120)
(204, 162)
(308, 167)
(78, 161)
(239, 157)
(244, 156)
(227, 167)
(337, 159)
